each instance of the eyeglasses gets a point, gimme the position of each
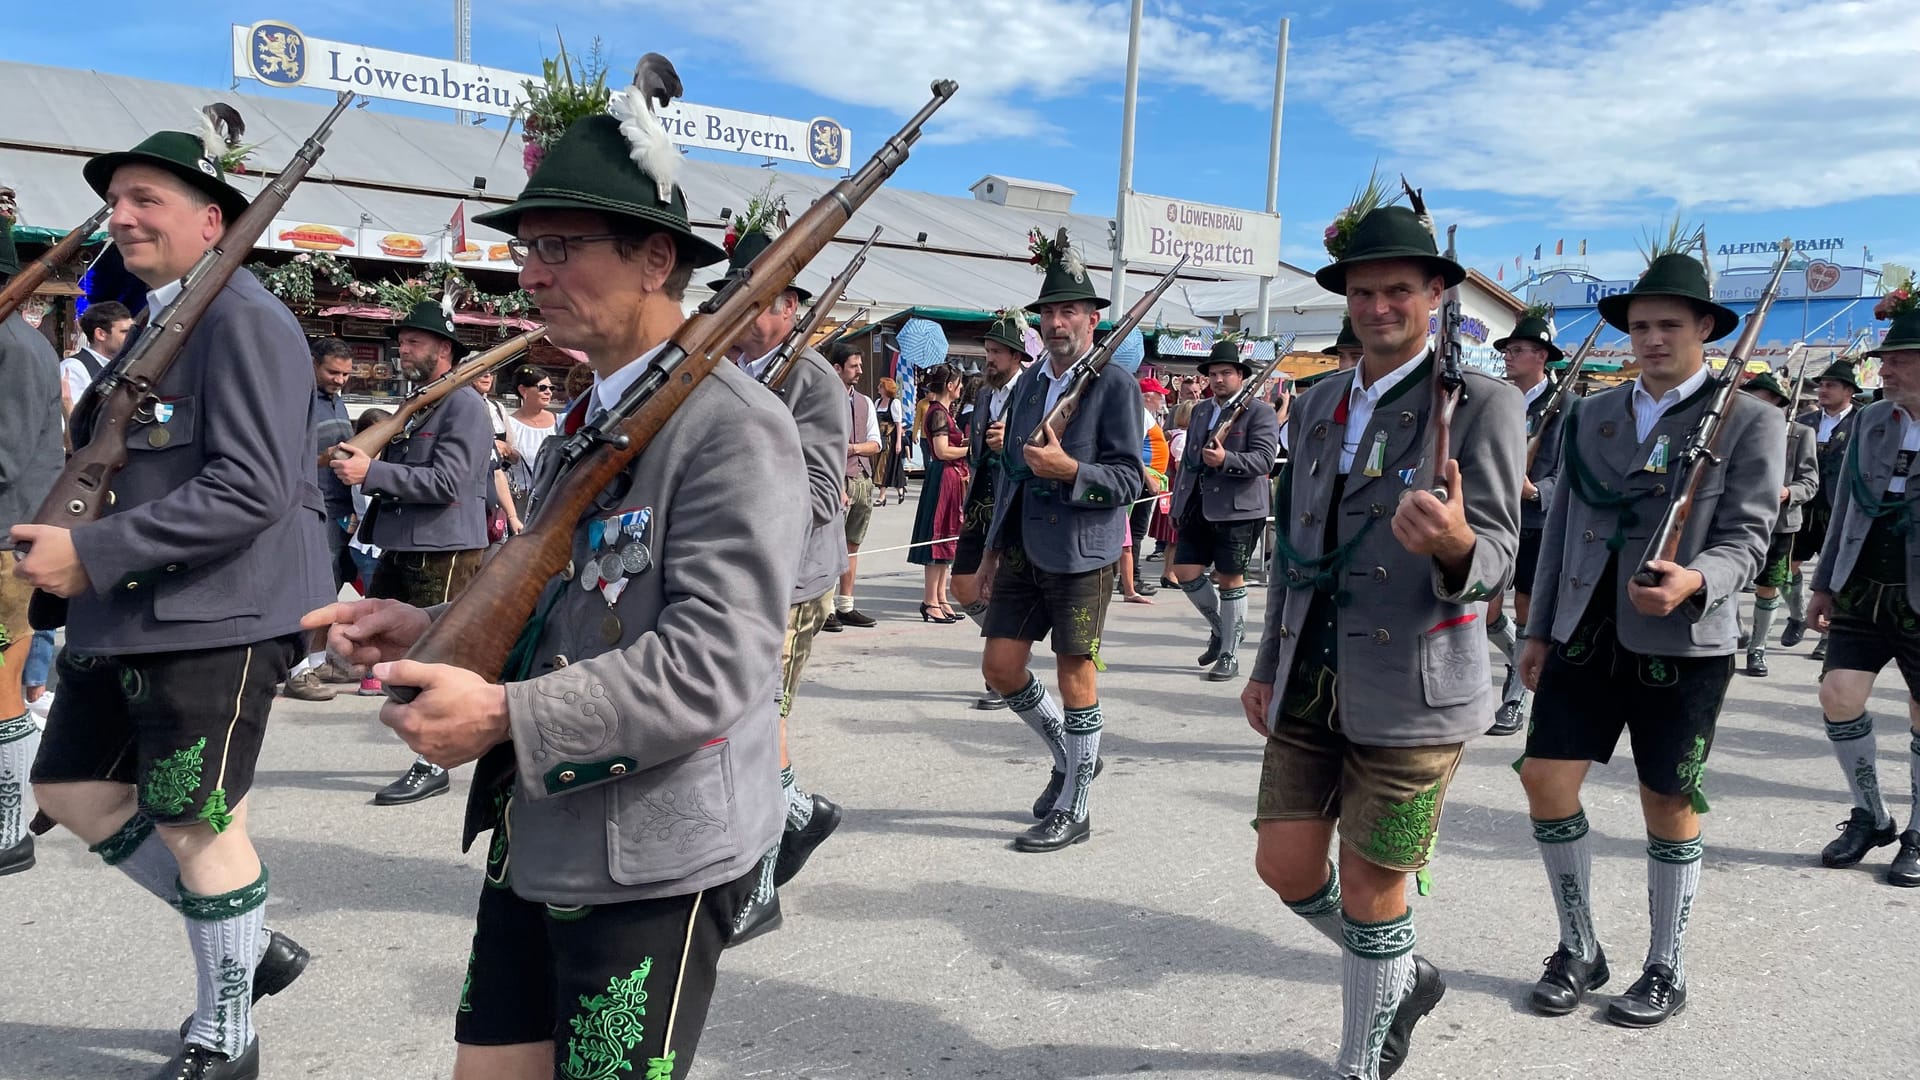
(552, 248)
(545, 388)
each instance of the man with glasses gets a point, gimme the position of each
(1528, 351)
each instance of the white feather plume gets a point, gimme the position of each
(1074, 264)
(647, 140)
(213, 144)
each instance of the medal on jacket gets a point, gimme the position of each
(1657, 461)
(620, 552)
(1376, 455)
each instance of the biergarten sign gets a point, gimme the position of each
(1216, 238)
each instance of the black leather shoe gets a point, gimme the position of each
(1566, 980)
(1651, 999)
(1213, 651)
(1507, 719)
(1793, 633)
(756, 917)
(282, 963)
(1059, 830)
(1819, 650)
(856, 617)
(1043, 805)
(1225, 669)
(796, 845)
(1857, 837)
(1745, 640)
(1905, 871)
(195, 1062)
(989, 701)
(1757, 663)
(420, 781)
(1428, 989)
(18, 857)
(832, 625)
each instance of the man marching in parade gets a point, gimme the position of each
(1798, 484)
(184, 599)
(1006, 348)
(630, 776)
(1865, 595)
(816, 396)
(1528, 351)
(1220, 498)
(1833, 423)
(1372, 669)
(1605, 652)
(1059, 516)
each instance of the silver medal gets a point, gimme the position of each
(590, 575)
(635, 558)
(610, 568)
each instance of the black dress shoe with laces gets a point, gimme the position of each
(832, 625)
(1225, 669)
(1858, 835)
(1757, 662)
(1212, 653)
(421, 781)
(1650, 1001)
(1059, 830)
(1792, 633)
(989, 701)
(1428, 988)
(1566, 980)
(756, 917)
(18, 857)
(796, 845)
(196, 1062)
(1905, 871)
(282, 963)
(1043, 805)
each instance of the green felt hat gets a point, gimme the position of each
(429, 316)
(1764, 382)
(1225, 351)
(1066, 276)
(185, 156)
(1678, 275)
(1009, 328)
(1840, 371)
(592, 168)
(745, 250)
(1390, 232)
(1902, 335)
(1535, 329)
(1347, 339)
(9, 257)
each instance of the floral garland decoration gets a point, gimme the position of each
(1370, 197)
(568, 90)
(293, 280)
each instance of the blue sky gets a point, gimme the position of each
(1527, 121)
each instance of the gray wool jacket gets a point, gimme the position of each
(30, 443)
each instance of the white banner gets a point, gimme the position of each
(291, 234)
(1819, 280)
(277, 54)
(1219, 239)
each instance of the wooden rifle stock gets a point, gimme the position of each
(21, 285)
(1703, 444)
(479, 630)
(1088, 367)
(422, 401)
(791, 349)
(126, 389)
(1250, 390)
(1449, 382)
(1557, 395)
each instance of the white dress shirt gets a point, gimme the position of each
(1829, 421)
(607, 391)
(1533, 395)
(1647, 412)
(158, 299)
(1361, 401)
(1910, 443)
(1056, 384)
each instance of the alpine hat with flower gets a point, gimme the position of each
(1902, 306)
(1371, 229)
(1536, 326)
(1065, 274)
(202, 159)
(752, 232)
(9, 213)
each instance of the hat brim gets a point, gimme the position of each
(1884, 350)
(1333, 276)
(1554, 355)
(696, 251)
(394, 335)
(722, 281)
(99, 172)
(1097, 301)
(1845, 382)
(1246, 369)
(1613, 308)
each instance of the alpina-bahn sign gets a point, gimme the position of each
(276, 53)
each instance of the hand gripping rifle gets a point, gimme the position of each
(1449, 382)
(418, 404)
(796, 344)
(1088, 368)
(479, 630)
(1251, 390)
(1557, 395)
(126, 389)
(1703, 443)
(21, 285)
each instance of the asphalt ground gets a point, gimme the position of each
(917, 943)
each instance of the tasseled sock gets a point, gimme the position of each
(1569, 857)
(225, 932)
(1322, 909)
(1041, 713)
(1763, 609)
(1374, 977)
(1233, 619)
(1082, 730)
(1206, 600)
(1797, 599)
(799, 803)
(19, 739)
(1500, 634)
(1853, 745)
(1673, 876)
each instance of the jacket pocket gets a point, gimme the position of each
(674, 819)
(165, 425)
(209, 593)
(1453, 664)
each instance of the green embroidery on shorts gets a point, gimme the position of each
(174, 778)
(1404, 837)
(133, 685)
(466, 985)
(608, 1028)
(215, 812)
(1692, 771)
(561, 913)
(660, 1068)
(1579, 644)
(1660, 672)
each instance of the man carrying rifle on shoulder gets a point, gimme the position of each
(185, 597)
(1799, 483)
(1220, 500)
(1059, 516)
(631, 752)
(1606, 652)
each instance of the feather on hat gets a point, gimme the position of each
(655, 84)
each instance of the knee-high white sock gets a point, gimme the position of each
(1322, 909)
(1082, 730)
(1797, 598)
(1233, 619)
(1913, 753)
(19, 739)
(1374, 977)
(1763, 609)
(1206, 600)
(136, 851)
(1500, 634)
(1568, 853)
(1673, 876)
(799, 803)
(1041, 713)
(225, 933)
(1853, 744)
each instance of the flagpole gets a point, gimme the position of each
(1273, 171)
(1118, 292)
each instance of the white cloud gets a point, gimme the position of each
(1735, 105)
